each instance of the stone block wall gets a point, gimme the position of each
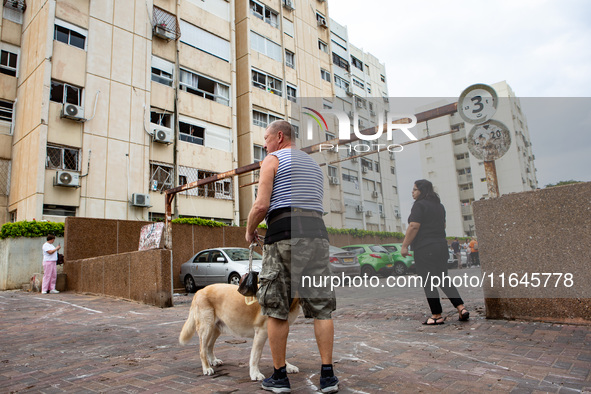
(542, 231)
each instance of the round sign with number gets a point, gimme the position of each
(477, 103)
(489, 141)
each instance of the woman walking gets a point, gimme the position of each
(426, 235)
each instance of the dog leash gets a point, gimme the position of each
(251, 300)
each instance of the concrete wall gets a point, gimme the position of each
(140, 276)
(20, 258)
(542, 231)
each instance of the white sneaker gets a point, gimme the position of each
(53, 291)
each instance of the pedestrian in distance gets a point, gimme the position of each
(426, 235)
(289, 198)
(50, 254)
(474, 256)
(455, 245)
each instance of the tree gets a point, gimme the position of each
(562, 183)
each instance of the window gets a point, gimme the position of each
(265, 46)
(393, 170)
(333, 171)
(8, 63)
(358, 83)
(191, 133)
(64, 93)
(367, 69)
(329, 136)
(295, 130)
(292, 93)
(365, 163)
(259, 119)
(69, 34)
(58, 210)
(357, 63)
(161, 118)
(360, 103)
(162, 71)
(6, 111)
(339, 61)
(205, 41)
(5, 177)
(264, 13)
(321, 19)
(339, 44)
(340, 82)
(382, 77)
(467, 217)
(322, 46)
(288, 27)
(349, 177)
(62, 158)
(161, 177)
(324, 74)
(259, 153)
(368, 88)
(461, 156)
(204, 87)
(267, 82)
(289, 59)
(377, 166)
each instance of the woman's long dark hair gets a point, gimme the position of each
(427, 192)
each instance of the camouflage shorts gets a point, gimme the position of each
(281, 278)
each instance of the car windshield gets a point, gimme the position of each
(335, 250)
(241, 254)
(391, 248)
(378, 249)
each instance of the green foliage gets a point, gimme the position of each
(31, 229)
(459, 238)
(562, 183)
(363, 233)
(199, 222)
(262, 225)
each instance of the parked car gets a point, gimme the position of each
(373, 259)
(402, 265)
(218, 265)
(343, 262)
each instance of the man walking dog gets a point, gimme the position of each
(296, 244)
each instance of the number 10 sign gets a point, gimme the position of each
(477, 103)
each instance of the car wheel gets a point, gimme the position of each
(368, 270)
(190, 284)
(399, 269)
(234, 279)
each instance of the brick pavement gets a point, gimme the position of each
(82, 343)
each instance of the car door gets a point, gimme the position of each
(217, 270)
(199, 268)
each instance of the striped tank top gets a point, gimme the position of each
(299, 182)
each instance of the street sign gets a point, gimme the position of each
(477, 103)
(489, 141)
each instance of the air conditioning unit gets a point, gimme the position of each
(383, 215)
(358, 103)
(74, 112)
(361, 123)
(163, 32)
(162, 134)
(322, 23)
(17, 5)
(359, 208)
(140, 200)
(288, 4)
(364, 170)
(354, 160)
(349, 92)
(372, 112)
(369, 213)
(66, 178)
(374, 194)
(333, 180)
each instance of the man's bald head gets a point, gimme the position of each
(283, 126)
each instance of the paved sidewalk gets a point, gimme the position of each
(80, 343)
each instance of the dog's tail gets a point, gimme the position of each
(189, 328)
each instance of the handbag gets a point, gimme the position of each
(249, 282)
(60, 259)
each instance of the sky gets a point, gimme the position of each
(541, 48)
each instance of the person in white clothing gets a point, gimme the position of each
(49, 265)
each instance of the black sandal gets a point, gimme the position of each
(434, 322)
(464, 315)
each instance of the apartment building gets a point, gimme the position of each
(106, 104)
(459, 177)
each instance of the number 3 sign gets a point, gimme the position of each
(477, 103)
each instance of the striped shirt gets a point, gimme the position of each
(299, 182)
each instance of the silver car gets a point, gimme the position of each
(219, 265)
